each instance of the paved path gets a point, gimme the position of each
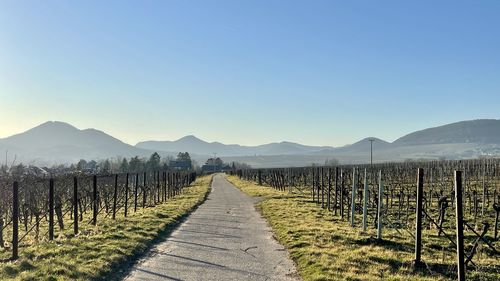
(224, 239)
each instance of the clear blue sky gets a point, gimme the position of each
(249, 72)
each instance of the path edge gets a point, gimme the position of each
(122, 270)
(257, 200)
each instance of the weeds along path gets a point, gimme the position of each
(224, 239)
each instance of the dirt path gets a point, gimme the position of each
(224, 239)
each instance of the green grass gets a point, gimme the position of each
(103, 251)
(327, 248)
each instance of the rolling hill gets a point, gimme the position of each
(59, 142)
(485, 131)
(195, 145)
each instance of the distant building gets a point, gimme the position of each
(182, 165)
(90, 167)
(215, 165)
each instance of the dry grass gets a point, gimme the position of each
(327, 248)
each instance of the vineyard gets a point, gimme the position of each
(453, 233)
(41, 209)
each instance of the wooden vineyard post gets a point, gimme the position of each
(153, 190)
(329, 190)
(135, 191)
(115, 195)
(313, 185)
(353, 197)
(126, 196)
(75, 205)
(167, 182)
(319, 182)
(144, 198)
(322, 189)
(342, 187)
(459, 226)
(174, 184)
(496, 207)
(328, 194)
(418, 224)
(164, 186)
(379, 209)
(430, 188)
(365, 202)
(158, 187)
(169, 185)
(15, 220)
(335, 199)
(161, 188)
(94, 198)
(483, 200)
(51, 209)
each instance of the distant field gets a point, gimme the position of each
(325, 247)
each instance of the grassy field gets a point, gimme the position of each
(103, 251)
(327, 248)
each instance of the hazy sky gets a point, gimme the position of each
(249, 72)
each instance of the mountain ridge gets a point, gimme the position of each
(204, 147)
(60, 142)
(468, 131)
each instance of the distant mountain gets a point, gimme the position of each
(461, 140)
(59, 142)
(364, 144)
(195, 145)
(191, 144)
(287, 148)
(484, 131)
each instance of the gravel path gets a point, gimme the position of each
(224, 239)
